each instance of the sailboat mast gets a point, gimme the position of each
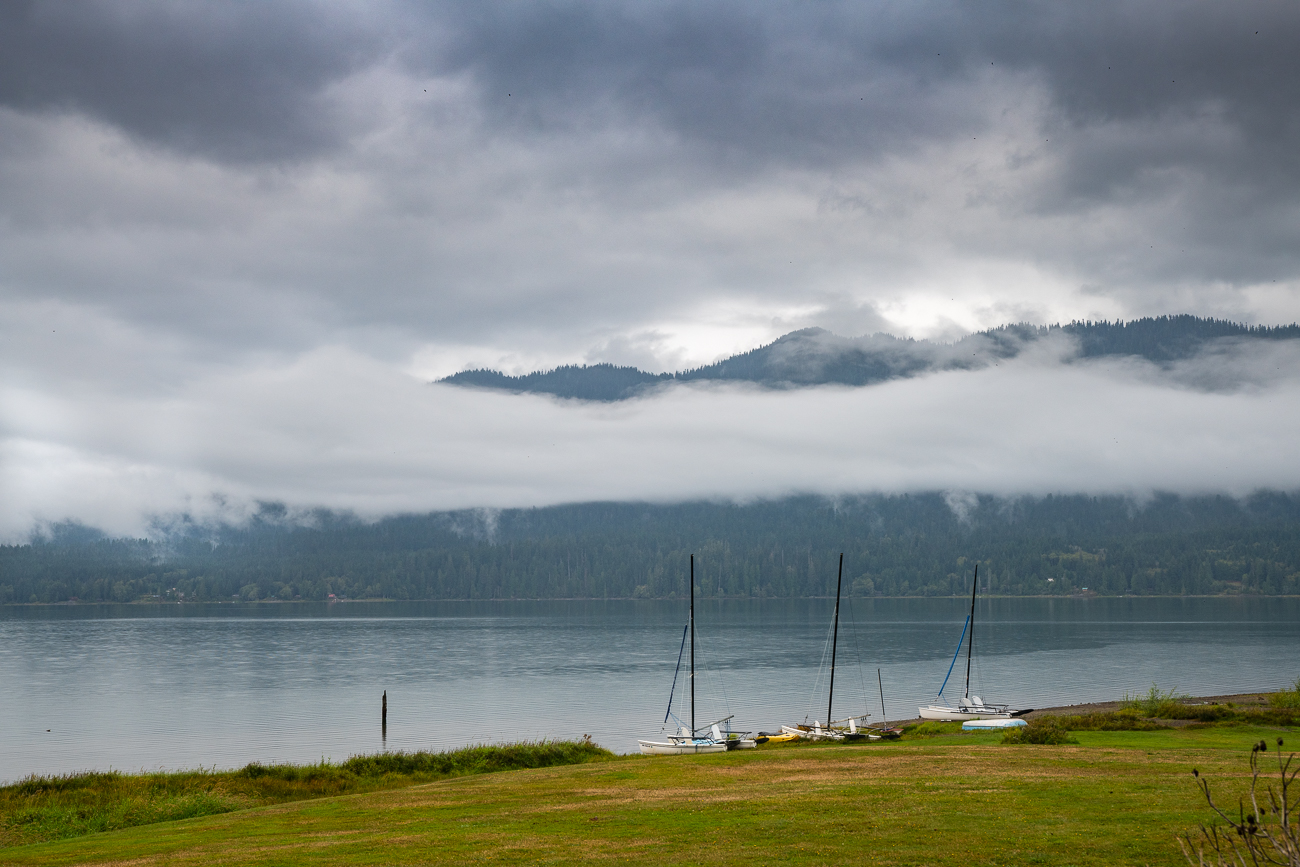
(970, 648)
(693, 646)
(835, 637)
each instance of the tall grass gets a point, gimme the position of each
(55, 807)
(1287, 699)
(1127, 720)
(1150, 703)
(476, 760)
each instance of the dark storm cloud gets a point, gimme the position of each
(236, 80)
(804, 83)
(1193, 105)
(836, 79)
(790, 82)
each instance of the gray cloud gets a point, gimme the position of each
(202, 199)
(1192, 106)
(238, 81)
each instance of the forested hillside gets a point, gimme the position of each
(894, 545)
(815, 356)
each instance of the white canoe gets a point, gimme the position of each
(976, 725)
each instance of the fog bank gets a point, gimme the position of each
(340, 430)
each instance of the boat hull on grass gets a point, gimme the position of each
(817, 733)
(962, 714)
(682, 748)
(782, 737)
(969, 707)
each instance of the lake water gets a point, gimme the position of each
(132, 687)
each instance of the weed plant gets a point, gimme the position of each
(1262, 833)
(56, 807)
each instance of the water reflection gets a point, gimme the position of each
(172, 686)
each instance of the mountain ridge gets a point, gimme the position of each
(815, 356)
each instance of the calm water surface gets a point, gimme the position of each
(135, 688)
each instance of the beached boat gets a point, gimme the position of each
(682, 744)
(848, 728)
(969, 707)
(775, 738)
(690, 740)
(838, 730)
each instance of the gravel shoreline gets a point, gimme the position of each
(1248, 699)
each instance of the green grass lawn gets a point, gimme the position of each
(1115, 798)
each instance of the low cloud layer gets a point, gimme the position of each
(338, 430)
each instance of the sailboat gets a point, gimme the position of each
(690, 740)
(969, 707)
(846, 729)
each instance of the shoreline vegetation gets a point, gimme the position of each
(44, 808)
(41, 811)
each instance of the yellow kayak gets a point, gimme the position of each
(782, 738)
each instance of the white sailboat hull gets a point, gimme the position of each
(956, 714)
(684, 748)
(689, 741)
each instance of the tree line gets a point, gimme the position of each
(905, 545)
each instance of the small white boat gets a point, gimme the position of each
(972, 708)
(683, 744)
(979, 725)
(689, 740)
(969, 707)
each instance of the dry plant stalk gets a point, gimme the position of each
(1264, 835)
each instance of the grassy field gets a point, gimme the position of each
(1117, 797)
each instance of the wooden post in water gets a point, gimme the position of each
(383, 719)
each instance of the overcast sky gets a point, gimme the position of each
(236, 238)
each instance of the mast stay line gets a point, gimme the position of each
(677, 670)
(955, 654)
